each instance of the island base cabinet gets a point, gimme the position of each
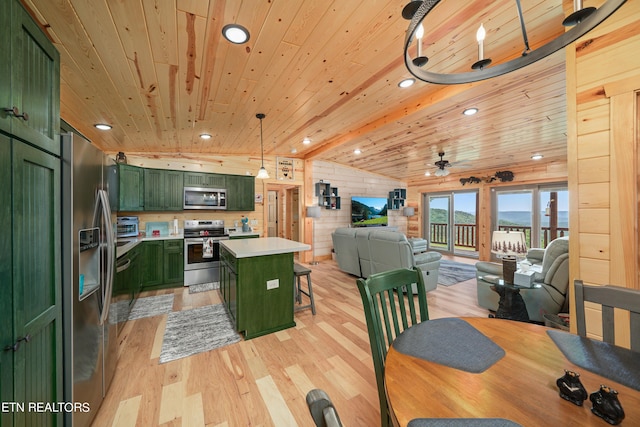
(259, 293)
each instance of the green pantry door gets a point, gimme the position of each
(31, 279)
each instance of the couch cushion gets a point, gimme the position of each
(427, 257)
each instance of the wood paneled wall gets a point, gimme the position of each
(603, 78)
(350, 182)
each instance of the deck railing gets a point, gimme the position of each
(466, 235)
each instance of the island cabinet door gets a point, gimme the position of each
(264, 293)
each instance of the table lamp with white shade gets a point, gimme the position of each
(314, 212)
(508, 245)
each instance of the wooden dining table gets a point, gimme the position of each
(519, 386)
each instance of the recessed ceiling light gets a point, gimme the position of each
(470, 111)
(306, 141)
(537, 157)
(427, 173)
(294, 150)
(406, 83)
(357, 151)
(205, 136)
(235, 33)
(103, 126)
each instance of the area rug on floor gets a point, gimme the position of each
(203, 287)
(151, 306)
(194, 331)
(452, 272)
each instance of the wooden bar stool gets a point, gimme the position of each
(298, 272)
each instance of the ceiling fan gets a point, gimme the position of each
(442, 165)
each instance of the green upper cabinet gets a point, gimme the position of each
(5, 65)
(208, 180)
(241, 193)
(163, 190)
(30, 98)
(130, 188)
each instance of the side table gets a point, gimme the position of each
(511, 305)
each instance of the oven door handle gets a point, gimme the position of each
(192, 240)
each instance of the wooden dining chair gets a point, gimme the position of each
(390, 307)
(609, 297)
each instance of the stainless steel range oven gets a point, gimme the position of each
(202, 250)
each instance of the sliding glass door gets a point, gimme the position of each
(451, 223)
(541, 212)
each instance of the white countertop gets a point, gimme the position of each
(132, 242)
(245, 248)
(243, 233)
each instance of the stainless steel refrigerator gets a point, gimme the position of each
(90, 340)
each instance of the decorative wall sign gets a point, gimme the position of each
(503, 176)
(284, 169)
(259, 198)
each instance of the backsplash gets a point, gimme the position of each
(229, 218)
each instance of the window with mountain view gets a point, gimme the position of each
(541, 212)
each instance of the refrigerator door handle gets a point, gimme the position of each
(108, 287)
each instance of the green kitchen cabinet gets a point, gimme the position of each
(130, 188)
(256, 308)
(31, 356)
(204, 180)
(30, 83)
(30, 272)
(153, 251)
(163, 263)
(241, 193)
(173, 261)
(6, 278)
(163, 190)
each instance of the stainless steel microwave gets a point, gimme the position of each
(205, 198)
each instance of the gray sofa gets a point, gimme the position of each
(375, 251)
(553, 279)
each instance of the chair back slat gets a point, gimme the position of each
(390, 308)
(610, 298)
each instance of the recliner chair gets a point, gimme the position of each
(344, 245)
(550, 298)
(390, 251)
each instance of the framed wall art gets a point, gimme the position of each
(284, 169)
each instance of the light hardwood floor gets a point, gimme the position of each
(263, 381)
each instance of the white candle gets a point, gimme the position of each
(480, 35)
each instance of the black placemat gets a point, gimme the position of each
(462, 422)
(451, 342)
(610, 361)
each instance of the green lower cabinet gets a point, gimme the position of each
(258, 310)
(153, 252)
(173, 261)
(35, 316)
(163, 263)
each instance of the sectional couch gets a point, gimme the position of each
(365, 251)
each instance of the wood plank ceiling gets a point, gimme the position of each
(161, 73)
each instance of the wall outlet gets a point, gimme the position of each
(273, 284)
(254, 222)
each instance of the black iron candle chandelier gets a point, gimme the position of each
(581, 22)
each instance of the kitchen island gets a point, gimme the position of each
(256, 281)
